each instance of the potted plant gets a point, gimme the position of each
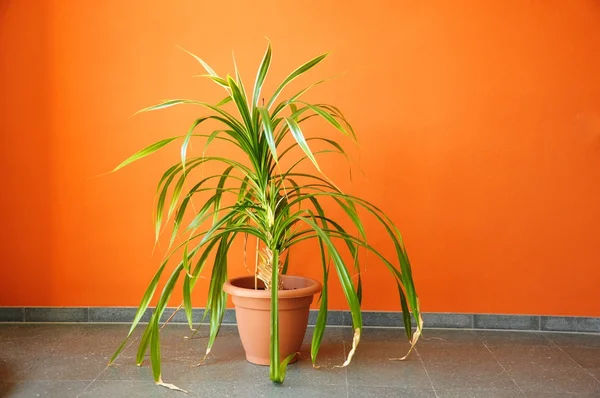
(263, 196)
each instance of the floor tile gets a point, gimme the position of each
(493, 338)
(59, 368)
(387, 335)
(534, 394)
(272, 390)
(388, 392)
(545, 370)
(241, 388)
(584, 356)
(575, 340)
(372, 366)
(61, 359)
(48, 389)
(435, 337)
(226, 362)
(130, 389)
(456, 366)
(480, 393)
(331, 355)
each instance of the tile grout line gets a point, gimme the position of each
(503, 368)
(571, 358)
(426, 373)
(103, 370)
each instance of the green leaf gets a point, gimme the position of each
(240, 102)
(268, 130)
(186, 264)
(285, 103)
(187, 139)
(343, 275)
(302, 69)
(149, 150)
(275, 371)
(224, 101)
(405, 312)
(160, 204)
(144, 343)
(176, 194)
(155, 353)
(261, 75)
(219, 80)
(321, 322)
(201, 61)
(283, 366)
(299, 137)
(163, 105)
(239, 81)
(330, 119)
(158, 311)
(286, 264)
(219, 192)
(187, 299)
(217, 298)
(141, 308)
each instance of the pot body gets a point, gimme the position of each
(253, 314)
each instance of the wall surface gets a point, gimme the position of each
(479, 125)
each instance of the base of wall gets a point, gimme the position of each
(334, 318)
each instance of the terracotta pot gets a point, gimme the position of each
(253, 313)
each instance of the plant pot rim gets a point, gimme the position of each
(232, 287)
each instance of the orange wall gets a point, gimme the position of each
(479, 123)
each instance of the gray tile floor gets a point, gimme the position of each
(69, 360)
